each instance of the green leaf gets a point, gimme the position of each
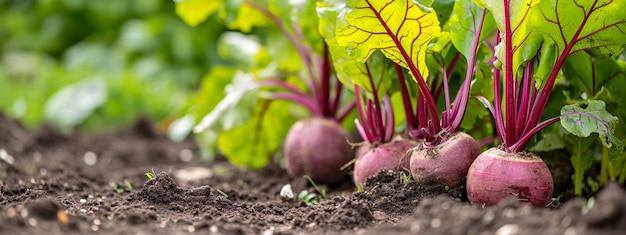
(584, 23)
(525, 41)
(73, 104)
(349, 70)
(463, 25)
(391, 27)
(242, 49)
(194, 12)
(592, 119)
(253, 143)
(224, 112)
(549, 141)
(237, 15)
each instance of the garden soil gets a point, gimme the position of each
(95, 183)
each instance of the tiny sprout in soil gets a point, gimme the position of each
(117, 188)
(222, 193)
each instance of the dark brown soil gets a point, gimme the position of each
(54, 186)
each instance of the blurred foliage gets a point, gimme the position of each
(145, 58)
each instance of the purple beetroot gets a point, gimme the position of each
(520, 98)
(446, 163)
(388, 156)
(318, 146)
(497, 174)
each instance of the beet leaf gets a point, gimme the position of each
(565, 27)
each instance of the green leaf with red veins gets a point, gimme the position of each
(594, 118)
(349, 70)
(525, 42)
(398, 28)
(463, 24)
(578, 25)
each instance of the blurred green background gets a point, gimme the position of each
(100, 64)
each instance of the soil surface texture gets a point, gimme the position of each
(96, 183)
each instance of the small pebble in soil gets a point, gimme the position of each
(213, 229)
(435, 223)
(37, 156)
(508, 229)
(6, 157)
(90, 158)
(11, 212)
(186, 155)
(570, 231)
(286, 191)
(24, 213)
(32, 222)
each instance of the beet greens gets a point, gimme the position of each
(390, 26)
(540, 58)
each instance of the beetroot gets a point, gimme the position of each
(317, 147)
(388, 156)
(496, 175)
(446, 163)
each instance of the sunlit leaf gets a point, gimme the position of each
(253, 143)
(239, 48)
(349, 70)
(73, 104)
(463, 26)
(594, 118)
(237, 15)
(235, 93)
(399, 28)
(582, 24)
(525, 42)
(194, 12)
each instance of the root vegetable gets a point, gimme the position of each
(388, 156)
(317, 147)
(446, 163)
(496, 175)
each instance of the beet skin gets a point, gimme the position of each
(317, 147)
(496, 175)
(388, 156)
(446, 163)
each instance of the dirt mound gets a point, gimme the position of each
(81, 183)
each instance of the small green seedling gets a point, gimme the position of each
(591, 202)
(223, 193)
(308, 198)
(359, 188)
(149, 175)
(116, 188)
(120, 190)
(128, 185)
(447, 188)
(322, 192)
(405, 178)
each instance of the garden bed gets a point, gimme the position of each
(61, 184)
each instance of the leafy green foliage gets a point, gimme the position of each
(73, 104)
(592, 119)
(463, 25)
(524, 39)
(583, 24)
(388, 26)
(195, 12)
